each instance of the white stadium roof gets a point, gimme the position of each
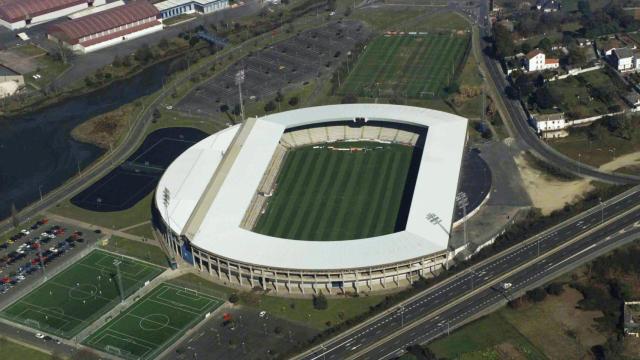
(188, 178)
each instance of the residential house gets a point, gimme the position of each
(536, 60)
(631, 318)
(550, 125)
(623, 59)
(582, 42)
(633, 100)
(548, 5)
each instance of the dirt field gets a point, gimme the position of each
(628, 161)
(556, 327)
(546, 192)
(104, 130)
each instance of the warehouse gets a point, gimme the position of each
(107, 28)
(171, 8)
(17, 14)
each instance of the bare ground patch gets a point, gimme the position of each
(557, 327)
(546, 192)
(628, 163)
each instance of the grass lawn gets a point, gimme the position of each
(482, 339)
(28, 50)
(77, 296)
(324, 194)
(298, 310)
(136, 249)
(577, 102)
(15, 351)
(594, 152)
(48, 69)
(139, 213)
(144, 230)
(414, 66)
(153, 323)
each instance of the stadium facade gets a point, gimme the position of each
(210, 197)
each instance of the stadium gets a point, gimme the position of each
(335, 198)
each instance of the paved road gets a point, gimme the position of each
(484, 274)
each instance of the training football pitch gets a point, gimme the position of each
(80, 294)
(324, 194)
(413, 66)
(153, 323)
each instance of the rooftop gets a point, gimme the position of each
(623, 53)
(17, 10)
(200, 173)
(533, 53)
(72, 31)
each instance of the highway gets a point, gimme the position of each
(470, 292)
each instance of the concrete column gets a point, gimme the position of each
(251, 275)
(240, 273)
(288, 282)
(369, 280)
(229, 271)
(315, 282)
(301, 283)
(396, 279)
(384, 278)
(342, 278)
(219, 271)
(355, 283)
(264, 280)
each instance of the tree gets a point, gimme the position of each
(143, 54)
(502, 41)
(163, 44)
(117, 61)
(293, 101)
(421, 353)
(234, 298)
(543, 98)
(14, 216)
(270, 106)
(320, 301)
(536, 295)
(156, 114)
(555, 289)
(545, 45)
(279, 96)
(224, 108)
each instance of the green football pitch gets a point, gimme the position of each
(153, 323)
(80, 294)
(414, 66)
(322, 194)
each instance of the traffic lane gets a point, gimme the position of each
(628, 222)
(29, 337)
(480, 276)
(532, 274)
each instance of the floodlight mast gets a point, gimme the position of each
(119, 279)
(239, 81)
(166, 198)
(463, 201)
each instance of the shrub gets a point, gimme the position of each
(555, 289)
(234, 298)
(536, 295)
(320, 301)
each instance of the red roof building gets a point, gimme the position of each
(16, 14)
(117, 24)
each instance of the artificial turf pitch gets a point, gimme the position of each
(323, 194)
(80, 294)
(414, 66)
(153, 322)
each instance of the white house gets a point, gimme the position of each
(536, 60)
(623, 59)
(551, 125)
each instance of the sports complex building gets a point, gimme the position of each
(17, 14)
(332, 198)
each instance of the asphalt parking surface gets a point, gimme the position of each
(252, 337)
(295, 61)
(37, 276)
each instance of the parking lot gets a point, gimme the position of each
(242, 333)
(21, 261)
(303, 57)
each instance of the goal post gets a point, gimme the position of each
(32, 323)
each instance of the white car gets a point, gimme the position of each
(262, 314)
(25, 231)
(40, 336)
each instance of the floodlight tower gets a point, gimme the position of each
(119, 279)
(239, 81)
(166, 198)
(463, 201)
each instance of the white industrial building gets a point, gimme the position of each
(171, 8)
(207, 195)
(18, 14)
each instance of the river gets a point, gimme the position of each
(37, 152)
